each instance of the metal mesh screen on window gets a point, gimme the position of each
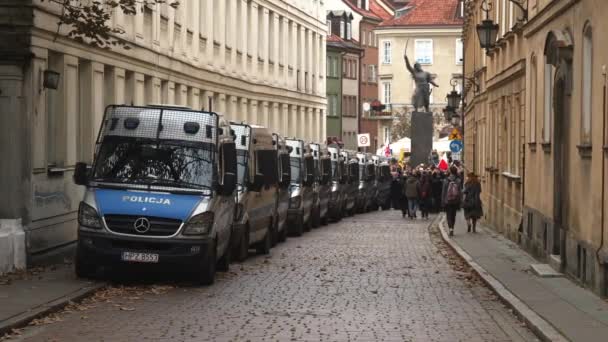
(242, 132)
(159, 123)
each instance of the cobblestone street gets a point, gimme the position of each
(373, 277)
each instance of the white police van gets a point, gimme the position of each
(161, 191)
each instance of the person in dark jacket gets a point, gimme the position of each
(451, 197)
(403, 202)
(411, 193)
(436, 189)
(472, 205)
(424, 194)
(395, 185)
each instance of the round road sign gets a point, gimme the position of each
(456, 146)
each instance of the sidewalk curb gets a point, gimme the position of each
(541, 328)
(24, 318)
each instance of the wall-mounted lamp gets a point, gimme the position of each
(454, 96)
(50, 79)
(487, 31)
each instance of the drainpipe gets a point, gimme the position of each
(603, 201)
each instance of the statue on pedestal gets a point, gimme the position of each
(423, 90)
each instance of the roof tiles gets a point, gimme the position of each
(426, 13)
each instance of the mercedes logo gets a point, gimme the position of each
(142, 225)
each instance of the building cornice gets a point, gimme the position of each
(419, 31)
(515, 70)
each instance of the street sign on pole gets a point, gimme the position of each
(455, 135)
(363, 140)
(456, 146)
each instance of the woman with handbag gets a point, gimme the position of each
(472, 205)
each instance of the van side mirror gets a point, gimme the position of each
(81, 174)
(228, 178)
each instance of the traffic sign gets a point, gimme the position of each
(363, 140)
(456, 146)
(455, 135)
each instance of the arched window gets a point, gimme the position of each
(587, 78)
(548, 76)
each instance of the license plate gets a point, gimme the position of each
(140, 257)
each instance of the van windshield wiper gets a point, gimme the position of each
(177, 184)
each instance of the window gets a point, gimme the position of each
(386, 92)
(548, 101)
(424, 51)
(363, 36)
(329, 27)
(387, 135)
(459, 51)
(371, 76)
(370, 38)
(341, 28)
(348, 31)
(387, 52)
(587, 85)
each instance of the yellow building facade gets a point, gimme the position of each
(534, 129)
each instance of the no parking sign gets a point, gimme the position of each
(363, 140)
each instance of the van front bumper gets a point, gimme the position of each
(103, 249)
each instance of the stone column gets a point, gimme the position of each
(293, 52)
(276, 118)
(265, 44)
(310, 124)
(302, 58)
(194, 97)
(264, 117)
(91, 107)
(208, 96)
(244, 107)
(115, 86)
(309, 54)
(323, 125)
(323, 65)
(253, 112)
(233, 111)
(285, 50)
(181, 94)
(293, 121)
(302, 132)
(231, 26)
(317, 126)
(208, 6)
(168, 92)
(316, 63)
(253, 39)
(275, 48)
(138, 89)
(139, 22)
(221, 106)
(195, 30)
(221, 34)
(243, 37)
(284, 120)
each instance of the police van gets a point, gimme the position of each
(351, 188)
(160, 191)
(257, 181)
(322, 185)
(284, 172)
(301, 192)
(337, 191)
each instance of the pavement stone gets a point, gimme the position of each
(372, 277)
(574, 312)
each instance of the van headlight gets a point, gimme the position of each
(295, 202)
(200, 224)
(88, 216)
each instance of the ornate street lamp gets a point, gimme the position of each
(487, 31)
(454, 96)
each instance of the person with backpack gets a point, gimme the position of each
(424, 194)
(452, 197)
(472, 205)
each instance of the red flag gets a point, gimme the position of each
(443, 163)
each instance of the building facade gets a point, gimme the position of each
(259, 61)
(429, 32)
(534, 130)
(344, 48)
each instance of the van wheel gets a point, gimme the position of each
(274, 234)
(82, 268)
(223, 265)
(299, 227)
(316, 218)
(206, 274)
(241, 252)
(283, 234)
(263, 247)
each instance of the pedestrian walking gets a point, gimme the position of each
(473, 209)
(395, 185)
(403, 199)
(452, 197)
(411, 193)
(436, 189)
(424, 194)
